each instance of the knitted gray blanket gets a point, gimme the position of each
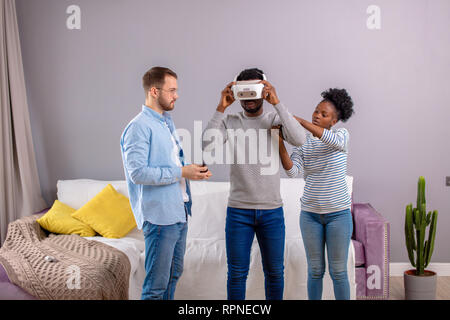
(63, 267)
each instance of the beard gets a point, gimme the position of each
(165, 104)
(253, 109)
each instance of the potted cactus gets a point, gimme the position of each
(420, 284)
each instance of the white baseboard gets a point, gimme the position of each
(396, 269)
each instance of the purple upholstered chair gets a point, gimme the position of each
(371, 242)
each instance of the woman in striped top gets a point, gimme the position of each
(325, 205)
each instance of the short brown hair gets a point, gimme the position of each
(155, 77)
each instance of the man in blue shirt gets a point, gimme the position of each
(158, 183)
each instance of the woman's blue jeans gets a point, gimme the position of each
(335, 230)
(240, 229)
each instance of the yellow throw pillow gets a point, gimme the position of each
(59, 220)
(109, 213)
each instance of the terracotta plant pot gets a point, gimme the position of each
(420, 287)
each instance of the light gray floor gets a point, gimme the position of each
(397, 291)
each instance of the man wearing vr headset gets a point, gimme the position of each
(254, 203)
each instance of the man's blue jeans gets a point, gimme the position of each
(335, 230)
(240, 229)
(164, 254)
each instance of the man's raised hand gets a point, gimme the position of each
(269, 93)
(227, 98)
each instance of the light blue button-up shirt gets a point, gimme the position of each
(152, 176)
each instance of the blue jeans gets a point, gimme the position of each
(240, 229)
(164, 254)
(335, 230)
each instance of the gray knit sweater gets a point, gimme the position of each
(253, 184)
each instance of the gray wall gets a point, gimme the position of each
(84, 85)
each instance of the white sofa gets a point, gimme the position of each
(205, 265)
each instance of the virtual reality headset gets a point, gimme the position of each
(248, 89)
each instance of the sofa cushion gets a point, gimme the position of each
(209, 208)
(76, 193)
(360, 258)
(109, 213)
(59, 220)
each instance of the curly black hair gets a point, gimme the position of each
(341, 101)
(250, 74)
